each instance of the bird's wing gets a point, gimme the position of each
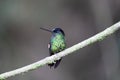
(49, 47)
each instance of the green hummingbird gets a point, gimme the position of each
(57, 44)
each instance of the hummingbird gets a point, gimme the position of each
(57, 44)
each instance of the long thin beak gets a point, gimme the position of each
(45, 29)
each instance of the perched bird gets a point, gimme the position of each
(56, 44)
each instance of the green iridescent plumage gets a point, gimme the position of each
(57, 44)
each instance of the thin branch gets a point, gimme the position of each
(98, 37)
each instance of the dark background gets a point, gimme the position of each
(22, 42)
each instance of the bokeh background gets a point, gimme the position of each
(22, 42)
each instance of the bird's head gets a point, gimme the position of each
(55, 30)
(58, 30)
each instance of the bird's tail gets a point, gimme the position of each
(51, 65)
(57, 62)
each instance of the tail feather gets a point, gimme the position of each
(55, 64)
(51, 65)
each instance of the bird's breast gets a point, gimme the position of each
(57, 44)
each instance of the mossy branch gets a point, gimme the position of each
(98, 37)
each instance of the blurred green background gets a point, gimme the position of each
(22, 42)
